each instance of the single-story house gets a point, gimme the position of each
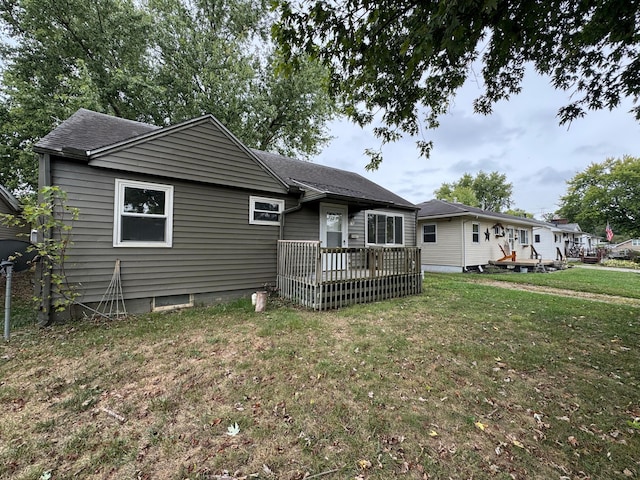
(192, 216)
(623, 249)
(455, 238)
(560, 240)
(9, 205)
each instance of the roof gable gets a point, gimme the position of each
(201, 149)
(7, 197)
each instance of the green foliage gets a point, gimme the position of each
(54, 221)
(605, 192)
(406, 58)
(487, 191)
(162, 61)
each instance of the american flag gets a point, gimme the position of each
(609, 232)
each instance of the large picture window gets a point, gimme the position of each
(143, 214)
(385, 229)
(265, 211)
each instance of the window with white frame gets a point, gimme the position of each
(475, 233)
(635, 242)
(429, 233)
(265, 211)
(523, 236)
(385, 229)
(143, 214)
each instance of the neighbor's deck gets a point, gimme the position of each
(325, 278)
(529, 263)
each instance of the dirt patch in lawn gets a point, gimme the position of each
(597, 297)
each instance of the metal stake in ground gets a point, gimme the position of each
(7, 269)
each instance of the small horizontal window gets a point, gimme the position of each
(265, 211)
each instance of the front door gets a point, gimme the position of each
(333, 234)
(333, 226)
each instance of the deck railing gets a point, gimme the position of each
(322, 278)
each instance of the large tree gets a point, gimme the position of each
(160, 61)
(607, 192)
(489, 191)
(408, 58)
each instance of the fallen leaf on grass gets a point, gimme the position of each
(233, 430)
(480, 425)
(433, 433)
(518, 444)
(364, 464)
(573, 441)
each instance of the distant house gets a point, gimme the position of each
(623, 249)
(559, 240)
(10, 205)
(454, 237)
(196, 217)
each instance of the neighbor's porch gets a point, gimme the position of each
(323, 278)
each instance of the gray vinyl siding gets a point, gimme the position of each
(215, 249)
(201, 152)
(303, 224)
(11, 232)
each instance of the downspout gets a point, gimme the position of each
(464, 250)
(43, 270)
(285, 213)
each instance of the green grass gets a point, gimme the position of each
(624, 284)
(466, 380)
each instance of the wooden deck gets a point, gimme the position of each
(531, 264)
(325, 278)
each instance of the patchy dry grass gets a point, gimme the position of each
(464, 381)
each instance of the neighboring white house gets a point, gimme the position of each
(560, 240)
(454, 237)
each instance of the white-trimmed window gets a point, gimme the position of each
(385, 229)
(265, 211)
(635, 242)
(429, 233)
(143, 214)
(475, 233)
(523, 236)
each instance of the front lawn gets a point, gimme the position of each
(464, 381)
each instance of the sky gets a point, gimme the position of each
(522, 139)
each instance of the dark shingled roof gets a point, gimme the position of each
(441, 208)
(330, 181)
(88, 130)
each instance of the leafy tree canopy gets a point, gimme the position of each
(160, 61)
(411, 56)
(605, 192)
(489, 191)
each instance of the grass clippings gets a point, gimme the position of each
(464, 381)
